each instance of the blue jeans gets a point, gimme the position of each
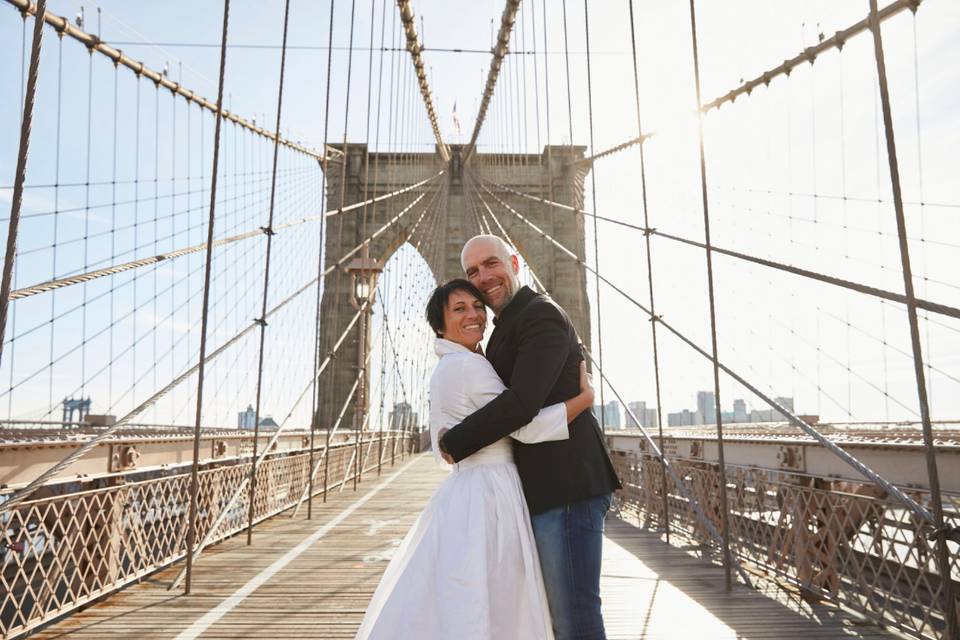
(570, 544)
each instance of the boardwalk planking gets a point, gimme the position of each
(650, 590)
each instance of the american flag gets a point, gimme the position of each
(456, 120)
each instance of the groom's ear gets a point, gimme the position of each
(516, 264)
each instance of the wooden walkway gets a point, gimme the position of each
(312, 579)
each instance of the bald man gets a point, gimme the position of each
(568, 484)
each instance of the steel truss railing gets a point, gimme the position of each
(79, 547)
(836, 540)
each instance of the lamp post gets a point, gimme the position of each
(363, 272)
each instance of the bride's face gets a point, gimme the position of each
(464, 319)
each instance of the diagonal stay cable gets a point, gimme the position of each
(238, 491)
(20, 176)
(59, 283)
(916, 508)
(667, 465)
(78, 453)
(258, 458)
(927, 305)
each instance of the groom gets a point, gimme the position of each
(568, 483)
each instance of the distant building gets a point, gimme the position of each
(638, 409)
(772, 415)
(247, 419)
(268, 424)
(740, 411)
(706, 408)
(683, 418)
(608, 414)
(651, 420)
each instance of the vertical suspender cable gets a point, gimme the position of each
(363, 389)
(376, 185)
(725, 519)
(593, 195)
(56, 224)
(940, 532)
(653, 308)
(15, 205)
(314, 421)
(194, 476)
(268, 230)
(340, 220)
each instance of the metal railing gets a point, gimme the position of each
(845, 542)
(60, 553)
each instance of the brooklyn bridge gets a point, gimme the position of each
(223, 220)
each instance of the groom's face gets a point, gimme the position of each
(492, 271)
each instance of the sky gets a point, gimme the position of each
(796, 172)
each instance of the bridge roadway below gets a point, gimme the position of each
(313, 579)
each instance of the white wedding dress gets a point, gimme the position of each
(468, 568)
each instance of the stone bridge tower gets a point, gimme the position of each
(352, 177)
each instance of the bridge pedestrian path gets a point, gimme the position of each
(313, 578)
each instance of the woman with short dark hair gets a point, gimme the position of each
(468, 568)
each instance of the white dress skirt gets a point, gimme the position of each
(468, 568)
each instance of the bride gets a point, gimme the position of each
(468, 568)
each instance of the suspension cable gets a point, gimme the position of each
(21, 170)
(94, 43)
(194, 472)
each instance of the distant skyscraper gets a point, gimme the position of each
(639, 409)
(247, 419)
(610, 414)
(786, 403)
(740, 411)
(650, 421)
(683, 418)
(706, 407)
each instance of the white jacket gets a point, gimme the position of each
(463, 382)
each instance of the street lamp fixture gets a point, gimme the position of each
(364, 272)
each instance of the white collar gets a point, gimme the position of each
(444, 347)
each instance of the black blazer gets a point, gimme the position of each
(535, 351)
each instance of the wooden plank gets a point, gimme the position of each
(649, 589)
